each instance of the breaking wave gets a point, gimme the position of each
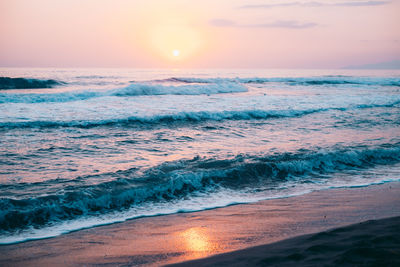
(181, 86)
(195, 89)
(164, 118)
(135, 89)
(199, 116)
(180, 179)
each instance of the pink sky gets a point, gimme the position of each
(207, 33)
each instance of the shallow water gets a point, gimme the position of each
(108, 145)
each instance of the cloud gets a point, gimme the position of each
(289, 24)
(380, 41)
(366, 3)
(272, 5)
(288, 4)
(318, 4)
(285, 24)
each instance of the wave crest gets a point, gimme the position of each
(312, 81)
(175, 180)
(194, 89)
(26, 83)
(166, 118)
(135, 89)
(179, 117)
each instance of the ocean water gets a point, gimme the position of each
(86, 147)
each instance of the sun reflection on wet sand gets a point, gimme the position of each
(197, 242)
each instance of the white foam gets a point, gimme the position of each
(192, 89)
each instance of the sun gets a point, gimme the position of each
(175, 40)
(176, 53)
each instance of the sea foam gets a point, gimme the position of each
(134, 89)
(174, 180)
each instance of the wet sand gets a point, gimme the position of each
(371, 243)
(176, 238)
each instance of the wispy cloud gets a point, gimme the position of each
(366, 3)
(289, 24)
(380, 41)
(319, 4)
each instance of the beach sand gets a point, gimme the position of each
(371, 243)
(181, 237)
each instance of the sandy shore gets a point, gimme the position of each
(187, 236)
(371, 243)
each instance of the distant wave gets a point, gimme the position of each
(175, 180)
(182, 86)
(342, 81)
(167, 118)
(48, 97)
(178, 117)
(135, 89)
(194, 89)
(26, 83)
(316, 81)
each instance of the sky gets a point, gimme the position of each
(198, 34)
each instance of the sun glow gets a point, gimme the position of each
(175, 36)
(179, 36)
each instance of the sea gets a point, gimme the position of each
(81, 148)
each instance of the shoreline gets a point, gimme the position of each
(66, 232)
(186, 236)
